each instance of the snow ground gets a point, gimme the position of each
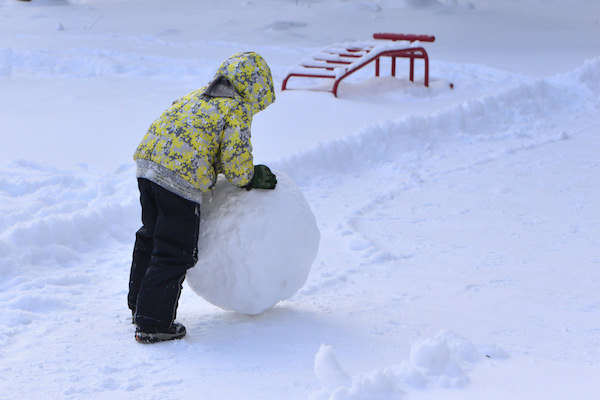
(459, 228)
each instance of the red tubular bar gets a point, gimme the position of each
(284, 83)
(412, 53)
(402, 36)
(334, 61)
(316, 67)
(345, 55)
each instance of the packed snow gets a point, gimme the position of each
(256, 247)
(457, 225)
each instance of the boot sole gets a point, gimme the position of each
(146, 338)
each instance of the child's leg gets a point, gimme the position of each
(175, 249)
(142, 251)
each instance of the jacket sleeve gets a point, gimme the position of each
(236, 148)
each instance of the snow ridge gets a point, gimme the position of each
(66, 214)
(527, 112)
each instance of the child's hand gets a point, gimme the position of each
(263, 178)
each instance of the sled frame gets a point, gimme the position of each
(337, 62)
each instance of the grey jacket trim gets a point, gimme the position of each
(220, 87)
(168, 180)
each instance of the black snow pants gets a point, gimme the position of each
(166, 246)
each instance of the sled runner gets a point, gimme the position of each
(340, 60)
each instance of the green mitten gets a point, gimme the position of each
(263, 178)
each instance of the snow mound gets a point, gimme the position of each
(442, 361)
(256, 247)
(50, 216)
(589, 74)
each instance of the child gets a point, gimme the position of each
(201, 135)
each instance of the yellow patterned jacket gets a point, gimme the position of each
(207, 132)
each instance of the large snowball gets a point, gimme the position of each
(256, 247)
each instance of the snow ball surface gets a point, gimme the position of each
(256, 247)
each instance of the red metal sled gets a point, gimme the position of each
(341, 60)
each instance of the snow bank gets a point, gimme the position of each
(256, 247)
(588, 75)
(527, 112)
(442, 361)
(94, 62)
(51, 217)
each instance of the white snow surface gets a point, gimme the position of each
(459, 227)
(256, 247)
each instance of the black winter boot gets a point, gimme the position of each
(176, 331)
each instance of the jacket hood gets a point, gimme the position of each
(251, 77)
